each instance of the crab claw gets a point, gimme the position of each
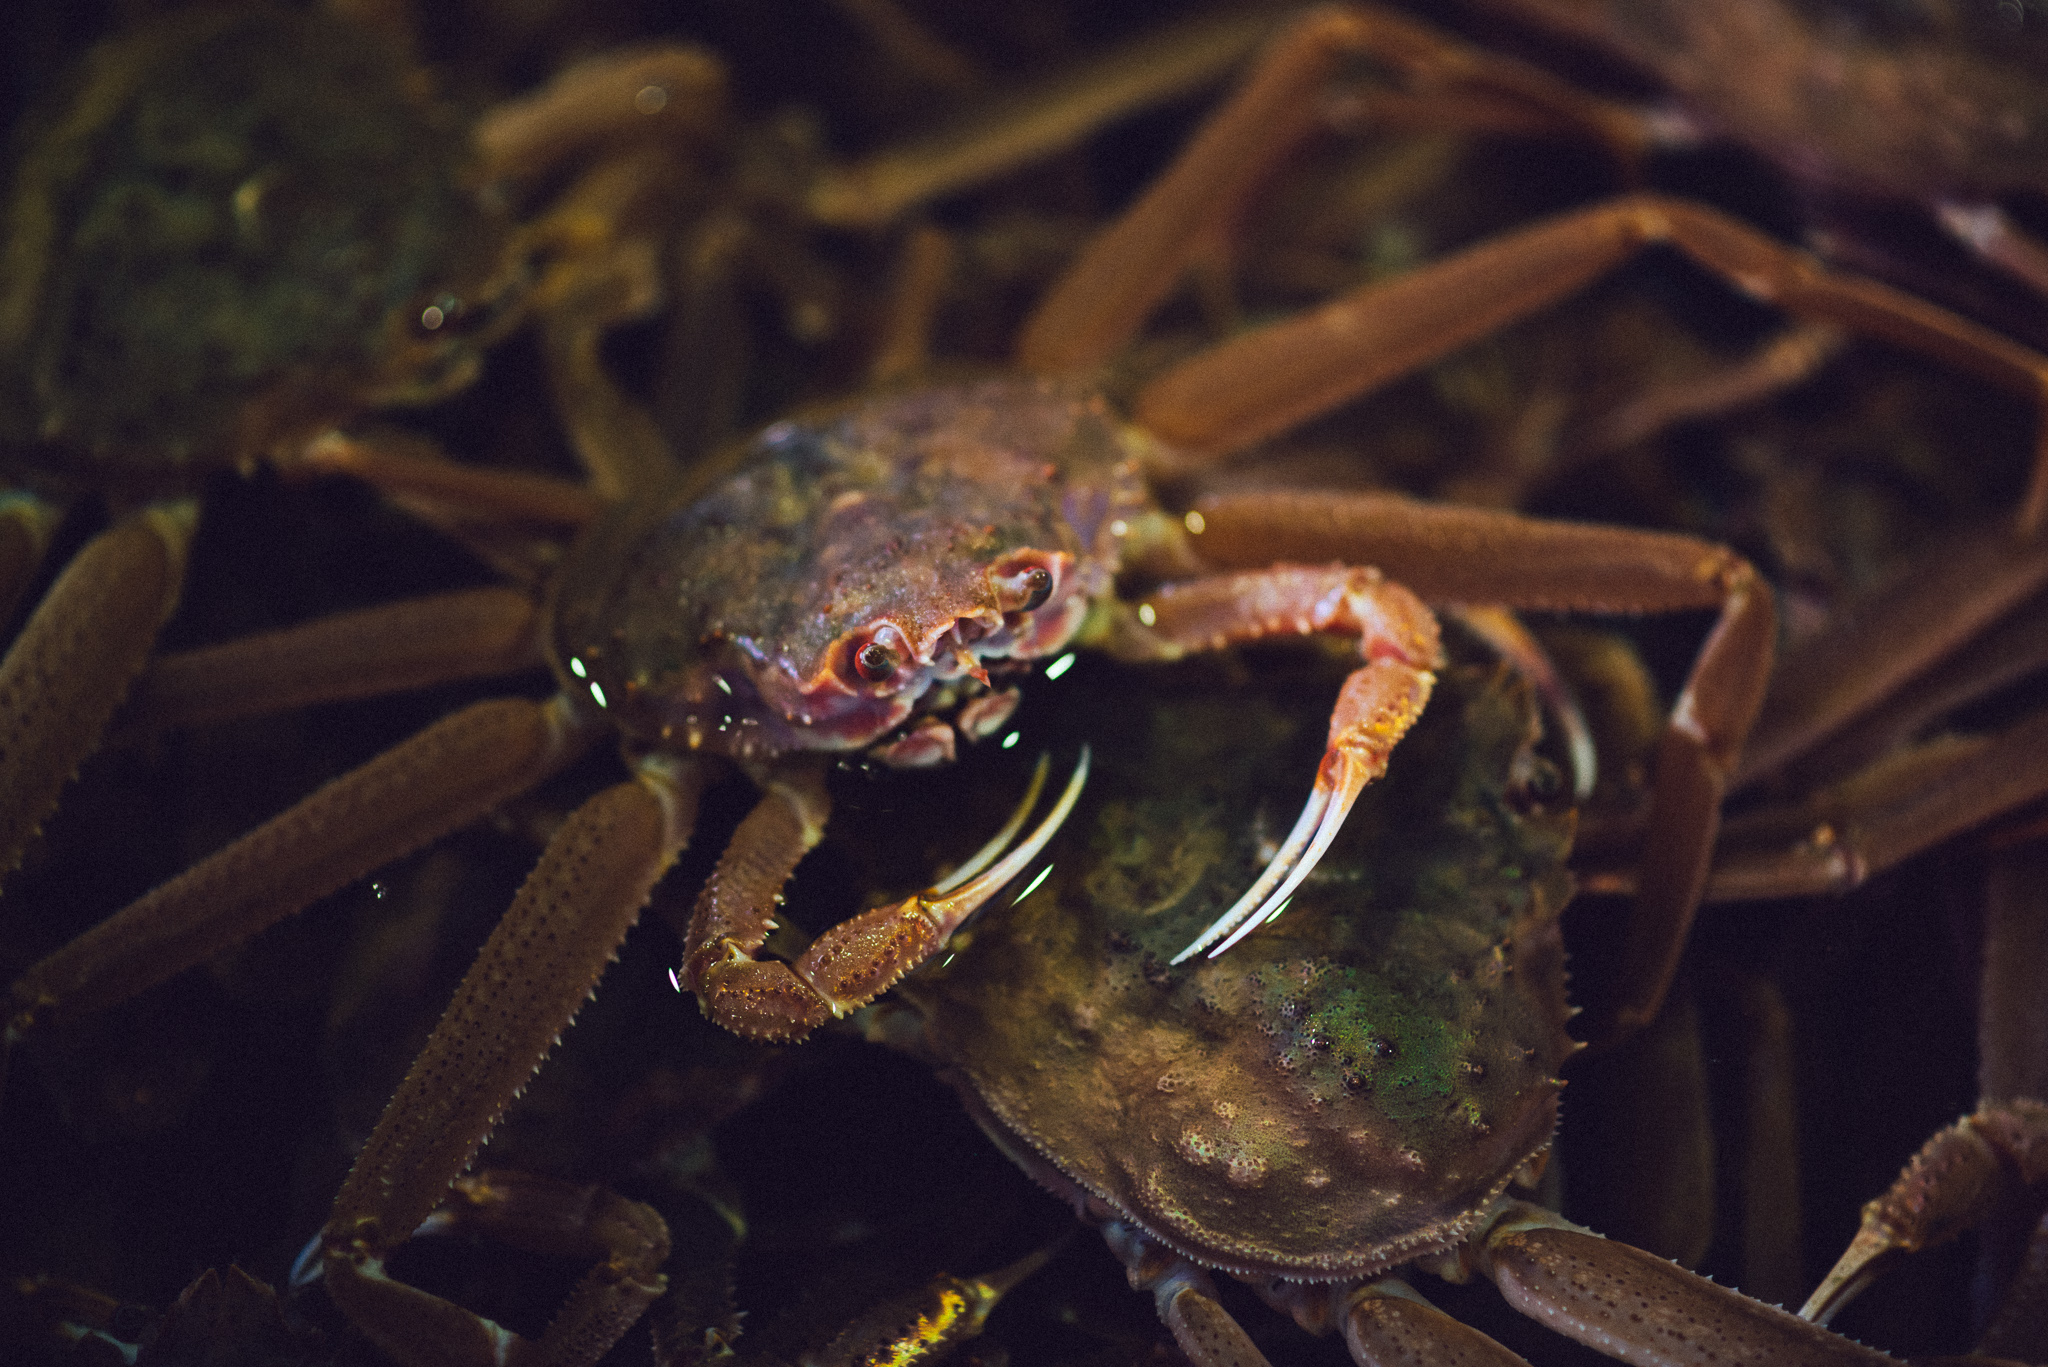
(857, 960)
(1378, 705)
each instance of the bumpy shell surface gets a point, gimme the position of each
(1349, 1087)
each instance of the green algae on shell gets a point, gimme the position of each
(233, 225)
(1351, 1086)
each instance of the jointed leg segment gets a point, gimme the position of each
(1450, 554)
(854, 961)
(1378, 703)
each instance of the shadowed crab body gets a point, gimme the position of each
(858, 567)
(1345, 1092)
(209, 253)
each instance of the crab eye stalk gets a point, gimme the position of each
(1037, 587)
(875, 662)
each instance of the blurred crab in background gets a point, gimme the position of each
(228, 229)
(1281, 928)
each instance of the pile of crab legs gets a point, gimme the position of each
(1229, 398)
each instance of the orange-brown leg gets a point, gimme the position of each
(879, 189)
(467, 634)
(1376, 706)
(853, 962)
(76, 657)
(533, 973)
(1469, 555)
(665, 93)
(1105, 296)
(1890, 640)
(2013, 650)
(438, 781)
(1640, 1308)
(1907, 802)
(412, 469)
(1266, 381)
(1958, 1179)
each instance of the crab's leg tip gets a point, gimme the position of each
(1000, 841)
(1243, 912)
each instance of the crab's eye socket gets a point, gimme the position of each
(1037, 587)
(875, 661)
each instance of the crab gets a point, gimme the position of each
(1933, 107)
(184, 296)
(862, 580)
(211, 260)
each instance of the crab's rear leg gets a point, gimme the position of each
(1470, 555)
(533, 973)
(853, 962)
(1956, 1181)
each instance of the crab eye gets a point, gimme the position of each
(1023, 582)
(875, 661)
(1037, 587)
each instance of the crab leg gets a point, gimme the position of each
(77, 655)
(856, 960)
(664, 92)
(415, 472)
(880, 188)
(1953, 1183)
(1886, 640)
(468, 634)
(538, 966)
(1186, 1300)
(1378, 703)
(1469, 555)
(414, 793)
(1909, 802)
(1266, 381)
(1637, 1307)
(1387, 1322)
(1125, 273)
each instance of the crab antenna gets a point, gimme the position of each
(982, 857)
(1342, 779)
(948, 911)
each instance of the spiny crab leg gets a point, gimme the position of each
(1954, 1183)
(1000, 841)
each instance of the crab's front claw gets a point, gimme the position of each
(1377, 706)
(857, 960)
